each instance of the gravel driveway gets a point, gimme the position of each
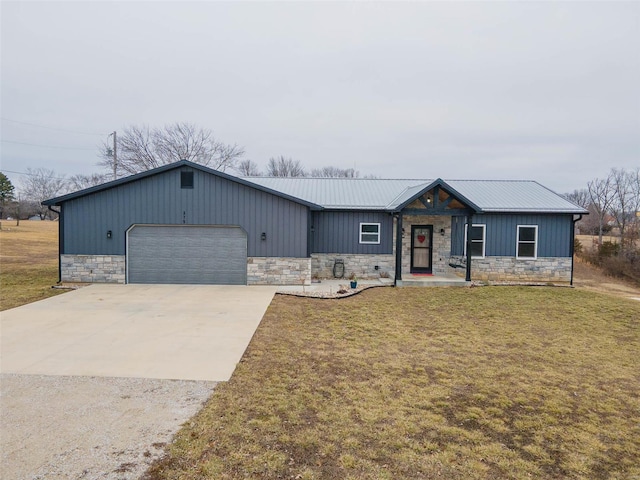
(90, 427)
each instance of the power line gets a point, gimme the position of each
(54, 128)
(48, 146)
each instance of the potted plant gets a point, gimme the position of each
(354, 280)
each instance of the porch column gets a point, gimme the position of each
(399, 247)
(469, 225)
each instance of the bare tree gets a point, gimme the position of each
(248, 168)
(600, 195)
(579, 197)
(285, 167)
(39, 185)
(625, 199)
(142, 148)
(334, 172)
(80, 182)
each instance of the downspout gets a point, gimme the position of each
(572, 247)
(60, 239)
(398, 275)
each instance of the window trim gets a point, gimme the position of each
(484, 239)
(535, 242)
(363, 242)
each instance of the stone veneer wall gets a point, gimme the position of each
(278, 271)
(441, 243)
(363, 265)
(541, 269)
(93, 268)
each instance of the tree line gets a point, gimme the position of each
(141, 148)
(612, 201)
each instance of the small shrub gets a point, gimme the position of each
(608, 249)
(577, 246)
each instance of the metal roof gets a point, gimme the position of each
(388, 194)
(513, 196)
(340, 193)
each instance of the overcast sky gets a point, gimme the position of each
(508, 90)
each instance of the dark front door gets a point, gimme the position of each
(421, 255)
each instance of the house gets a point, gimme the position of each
(185, 223)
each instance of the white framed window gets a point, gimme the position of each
(478, 239)
(527, 241)
(370, 233)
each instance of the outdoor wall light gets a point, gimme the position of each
(263, 236)
(108, 233)
(442, 232)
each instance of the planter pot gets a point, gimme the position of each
(354, 284)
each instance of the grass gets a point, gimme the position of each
(28, 262)
(482, 383)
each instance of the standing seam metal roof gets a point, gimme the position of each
(387, 194)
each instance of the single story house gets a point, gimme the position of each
(185, 223)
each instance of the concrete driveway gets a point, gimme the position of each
(95, 382)
(186, 332)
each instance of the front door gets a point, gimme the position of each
(421, 255)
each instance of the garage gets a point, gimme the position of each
(186, 254)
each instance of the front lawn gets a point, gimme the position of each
(412, 383)
(28, 262)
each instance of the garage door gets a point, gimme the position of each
(186, 254)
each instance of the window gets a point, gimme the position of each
(186, 179)
(477, 240)
(370, 233)
(527, 246)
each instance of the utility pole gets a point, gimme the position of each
(115, 156)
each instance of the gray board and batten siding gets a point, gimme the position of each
(339, 232)
(554, 233)
(159, 199)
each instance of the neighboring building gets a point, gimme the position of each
(185, 223)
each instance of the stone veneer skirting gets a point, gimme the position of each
(93, 268)
(278, 271)
(362, 265)
(542, 269)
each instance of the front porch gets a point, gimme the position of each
(443, 280)
(427, 226)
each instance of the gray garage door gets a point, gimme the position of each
(186, 254)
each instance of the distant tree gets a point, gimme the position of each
(601, 196)
(140, 148)
(39, 185)
(624, 201)
(334, 172)
(579, 197)
(285, 167)
(7, 194)
(248, 168)
(80, 182)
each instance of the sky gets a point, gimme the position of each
(546, 91)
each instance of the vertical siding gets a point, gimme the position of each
(339, 232)
(554, 233)
(158, 199)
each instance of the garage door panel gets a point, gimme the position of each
(187, 254)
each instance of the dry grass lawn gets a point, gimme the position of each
(28, 262)
(481, 383)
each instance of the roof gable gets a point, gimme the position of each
(172, 166)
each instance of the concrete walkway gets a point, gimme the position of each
(186, 332)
